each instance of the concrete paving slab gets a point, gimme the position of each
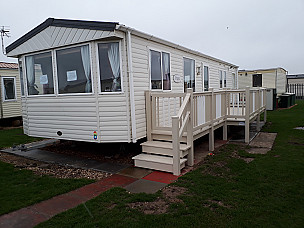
(135, 172)
(264, 140)
(258, 150)
(145, 186)
(111, 167)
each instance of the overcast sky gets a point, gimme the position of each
(252, 34)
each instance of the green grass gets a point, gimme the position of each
(21, 188)
(14, 136)
(268, 192)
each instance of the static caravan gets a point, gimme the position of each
(274, 78)
(105, 82)
(10, 106)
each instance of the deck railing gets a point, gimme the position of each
(202, 112)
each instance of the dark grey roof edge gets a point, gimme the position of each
(96, 25)
(293, 76)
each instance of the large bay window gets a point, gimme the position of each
(160, 70)
(109, 67)
(189, 74)
(39, 73)
(9, 88)
(74, 70)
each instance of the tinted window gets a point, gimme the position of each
(9, 89)
(39, 72)
(156, 75)
(189, 76)
(74, 70)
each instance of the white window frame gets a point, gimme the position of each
(25, 75)
(220, 79)
(224, 79)
(186, 57)
(56, 76)
(203, 65)
(98, 67)
(3, 95)
(161, 69)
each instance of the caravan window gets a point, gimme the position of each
(39, 72)
(189, 74)
(206, 78)
(225, 78)
(74, 70)
(9, 88)
(160, 70)
(21, 77)
(109, 67)
(221, 79)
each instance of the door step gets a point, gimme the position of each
(163, 148)
(156, 162)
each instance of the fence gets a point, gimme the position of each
(298, 89)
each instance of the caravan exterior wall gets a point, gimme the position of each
(102, 107)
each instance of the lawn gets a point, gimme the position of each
(14, 136)
(21, 188)
(224, 192)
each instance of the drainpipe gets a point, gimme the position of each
(131, 86)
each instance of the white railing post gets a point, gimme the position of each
(148, 115)
(176, 145)
(259, 110)
(225, 116)
(212, 115)
(190, 108)
(247, 113)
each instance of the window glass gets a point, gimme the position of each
(189, 74)
(109, 67)
(221, 79)
(156, 75)
(225, 79)
(39, 72)
(74, 70)
(206, 78)
(9, 89)
(166, 71)
(21, 77)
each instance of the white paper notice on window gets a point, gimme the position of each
(44, 79)
(71, 76)
(187, 78)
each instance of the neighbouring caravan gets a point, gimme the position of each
(274, 78)
(10, 93)
(86, 80)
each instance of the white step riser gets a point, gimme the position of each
(166, 138)
(162, 151)
(156, 165)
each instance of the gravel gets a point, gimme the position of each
(54, 170)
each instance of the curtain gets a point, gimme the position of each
(113, 55)
(30, 73)
(85, 56)
(4, 89)
(166, 71)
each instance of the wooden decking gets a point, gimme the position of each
(181, 118)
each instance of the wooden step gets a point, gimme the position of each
(165, 135)
(163, 148)
(156, 162)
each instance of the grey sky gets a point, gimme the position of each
(260, 33)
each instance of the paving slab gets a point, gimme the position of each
(161, 177)
(111, 167)
(145, 186)
(258, 150)
(135, 172)
(264, 140)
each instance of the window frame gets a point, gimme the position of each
(186, 57)
(98, 67)
(25, 74)
(203, 65)
(224, 79)
(221, 79)
(55, 68)
(161, 69)
(2, 87)
(21, 60)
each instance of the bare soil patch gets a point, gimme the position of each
(161, 204)
(212, 204)
(54, 170)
